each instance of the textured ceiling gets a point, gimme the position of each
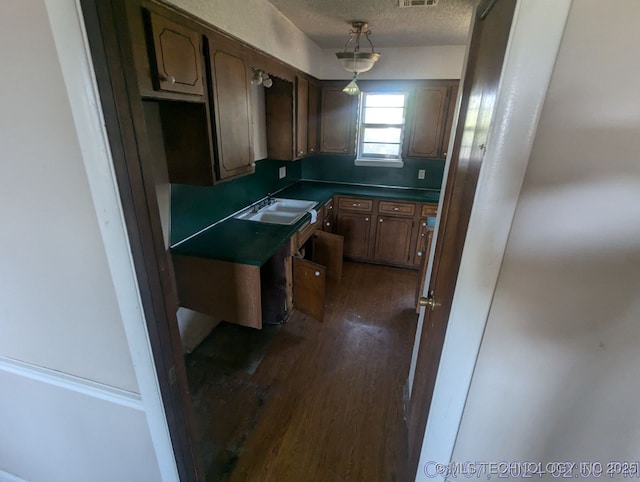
(327, 22)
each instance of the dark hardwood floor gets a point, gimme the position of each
(325, 402)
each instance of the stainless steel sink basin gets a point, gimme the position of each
(278, 211)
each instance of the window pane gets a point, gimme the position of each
(383, 115)
(384, 100)
(391, 150)
(382, 134)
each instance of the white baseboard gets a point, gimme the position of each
(70, 382)
(7, 477)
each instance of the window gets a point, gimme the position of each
(381, 129)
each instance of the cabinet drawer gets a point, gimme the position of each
(355, 204)
(403, 209)
(429, 210)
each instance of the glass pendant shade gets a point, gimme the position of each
(357, 62)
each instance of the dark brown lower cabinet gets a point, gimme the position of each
(356, 229)
(309, 284)
(323, 261)
(328, 250)
(253, 295)
(393, 240)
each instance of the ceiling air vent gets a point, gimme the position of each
(416, 3)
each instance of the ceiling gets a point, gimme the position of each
(327, 22)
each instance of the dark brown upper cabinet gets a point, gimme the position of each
(177, 56)
(287, 111)
(302, 117)
(430, 118)
(338, 120)
(312, 127)
(229, 88)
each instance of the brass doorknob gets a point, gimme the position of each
(428, 301)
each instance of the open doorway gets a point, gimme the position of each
(146, 229)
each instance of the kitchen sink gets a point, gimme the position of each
(277, 211)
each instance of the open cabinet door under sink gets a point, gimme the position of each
(310, 277)
(309, 284)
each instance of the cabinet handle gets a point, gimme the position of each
(344, 150)
(171, 79)
(317, 273)
(424, 224)
(396, 209)
(327, 224)
(330, 207)
(355, 205)
(444, 154)
(380, 219)
(420, 253)
(366, 219)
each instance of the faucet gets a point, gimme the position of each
(268, 201)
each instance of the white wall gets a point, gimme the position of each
(57, 303)
(260, 24)
(437, 62)
(556, 377)
(71, 406)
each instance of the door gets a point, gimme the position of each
(177, 55)
(428, 121)
(338, 119)
(488, 44)
(328, 252)
(309, 282)
(393, 240)
(231, 105)
(355, 227)
(302, 116)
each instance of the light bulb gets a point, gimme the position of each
(352, 88)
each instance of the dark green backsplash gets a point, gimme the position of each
(194, 208)
(342, 169)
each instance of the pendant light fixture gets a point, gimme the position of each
(352, 59)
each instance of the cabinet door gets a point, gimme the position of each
(309, 282)
(281, 120)
(427, 126)
(393, 240)
(356, 228)
(178, 59)
(328, 251)
(231, 105)
(448, 122)
(302, 116)
(312, 127)
(338, 118)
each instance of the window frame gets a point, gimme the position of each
(380, 160)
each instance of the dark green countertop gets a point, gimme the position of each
(322, 191)
(250, 242)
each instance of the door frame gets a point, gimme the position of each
(108, 49)
(534, 41)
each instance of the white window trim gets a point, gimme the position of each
(370, 162)
(364, 161)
